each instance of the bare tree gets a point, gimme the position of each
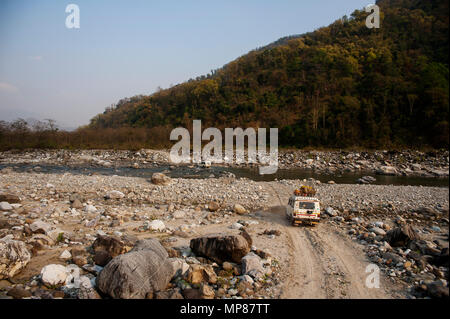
(51, 125)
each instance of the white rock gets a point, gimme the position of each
(86, 282)
(115, 195)
(54, 274)
(40, 226)
(90, 208)
(101, 233)
(14, 256)
(5, 206)
(237, 226)
(387, 170)
(156, 225)
(378, 231)
(179, 214)
(65, 255)
(73, 276)
(180, 267)
(247, 278)
(330, 212)
(379, 224)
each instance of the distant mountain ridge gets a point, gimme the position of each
(341, 85)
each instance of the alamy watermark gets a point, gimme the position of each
(213, 151)
(373, 19)
(373, 279)
(73, 19)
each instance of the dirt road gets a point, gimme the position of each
(323, 262)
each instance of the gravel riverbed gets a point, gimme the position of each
(61, 219)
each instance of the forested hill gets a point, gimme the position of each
(341, 85)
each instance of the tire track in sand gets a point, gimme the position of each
(323, 264)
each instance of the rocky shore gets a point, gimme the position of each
(77, 236)
(396, 163)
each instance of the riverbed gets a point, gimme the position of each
(194, 172)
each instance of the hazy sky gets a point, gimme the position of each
(124, 48)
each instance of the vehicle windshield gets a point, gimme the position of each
(306, 205)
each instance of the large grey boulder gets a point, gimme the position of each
(401, 236)
(107, 247)
(144, 270)
(40, 227)
(14, 256)
(222, 247)
(252, 265)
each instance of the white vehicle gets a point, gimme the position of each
(303, 210)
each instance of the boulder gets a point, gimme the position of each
(236, 226)
(239, 209)
(10, 198)
(55, 234)
(40, 241)
(222, 247)
(366, 180)
(252, 265)
(110, 244)
(169, 294)
(114, 195)
(213, 206)
(107, 247)
(425, 247)
(161, 179)
(13, 257)
(152, 244)
(198, 274)
(387, 170)
(19, 293)
(90, 209)
(144, 270)
(40, 227)
(378, 231)
(102, 257)
(401, 236)
(76, 204)
(86, 289)
(436, 289)
(5, 206)
(206, 292)
(65, 255)
(156, 225)
(331, 212)
(179, 266)
(53, 274)
(179, 214)
(4, 223)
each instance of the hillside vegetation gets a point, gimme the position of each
(341, 85)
